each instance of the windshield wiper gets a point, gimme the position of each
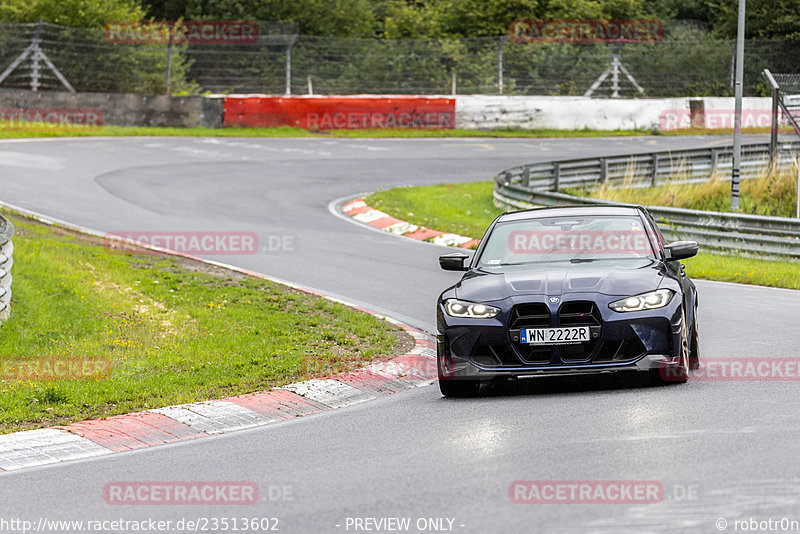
(582, 260)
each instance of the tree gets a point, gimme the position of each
(765, 19)
(79, 13)
(341, 18)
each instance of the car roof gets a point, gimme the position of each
(570, 211)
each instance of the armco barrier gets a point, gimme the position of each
(538, 184)
(340, 112)
(6, 260)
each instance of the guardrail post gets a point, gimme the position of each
(526, 176)
(654, 175)
(714, 156)
(603, 169)
(556, 176)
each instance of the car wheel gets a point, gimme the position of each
(459, 388)
(681, 374)
(694, 352)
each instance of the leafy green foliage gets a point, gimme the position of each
(79, 13)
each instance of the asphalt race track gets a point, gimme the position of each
(721, 449)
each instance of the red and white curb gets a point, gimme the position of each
(86, 439)
(358, 210)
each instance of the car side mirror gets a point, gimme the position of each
(454, 262)
(680, 250)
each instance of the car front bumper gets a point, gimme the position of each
(483, 349)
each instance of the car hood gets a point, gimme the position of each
(618, 279)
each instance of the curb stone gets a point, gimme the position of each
(359, 211)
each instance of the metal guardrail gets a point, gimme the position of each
(538, 184)
(6, 260)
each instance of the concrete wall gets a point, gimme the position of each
(576, 113)
(115, 109)
(471, 112)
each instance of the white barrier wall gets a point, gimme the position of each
(577, 113)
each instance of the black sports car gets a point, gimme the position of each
(568, 290)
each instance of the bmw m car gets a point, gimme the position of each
(568, 290)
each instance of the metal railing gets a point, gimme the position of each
(538, 184)
(6, 260)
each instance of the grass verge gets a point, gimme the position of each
(467, 209)
(32, 130)
(171, 331)
(774, 195)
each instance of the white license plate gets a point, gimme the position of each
(567, 335)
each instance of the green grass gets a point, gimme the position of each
(464, 209)
(774, 195)
(26, 131)
(744, 270)
(172, 330)
(467, 209)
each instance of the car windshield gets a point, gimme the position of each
(574, 239)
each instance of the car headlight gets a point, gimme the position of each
(472, 310)
(645, 301)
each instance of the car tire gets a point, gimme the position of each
(681, 375)
(459, 388)
(694, 351)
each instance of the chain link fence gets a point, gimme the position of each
(687, 62)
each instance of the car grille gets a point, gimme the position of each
(570, 313)
(578, 313)
(530, 316)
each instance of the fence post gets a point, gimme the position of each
(453, 88)
(500, 63)
(654, 175)
(289, 64)
(35, 57)
(603, 169)
(169, 62)
(556, 176)
(526, 176)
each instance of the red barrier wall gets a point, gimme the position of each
(340, 112)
